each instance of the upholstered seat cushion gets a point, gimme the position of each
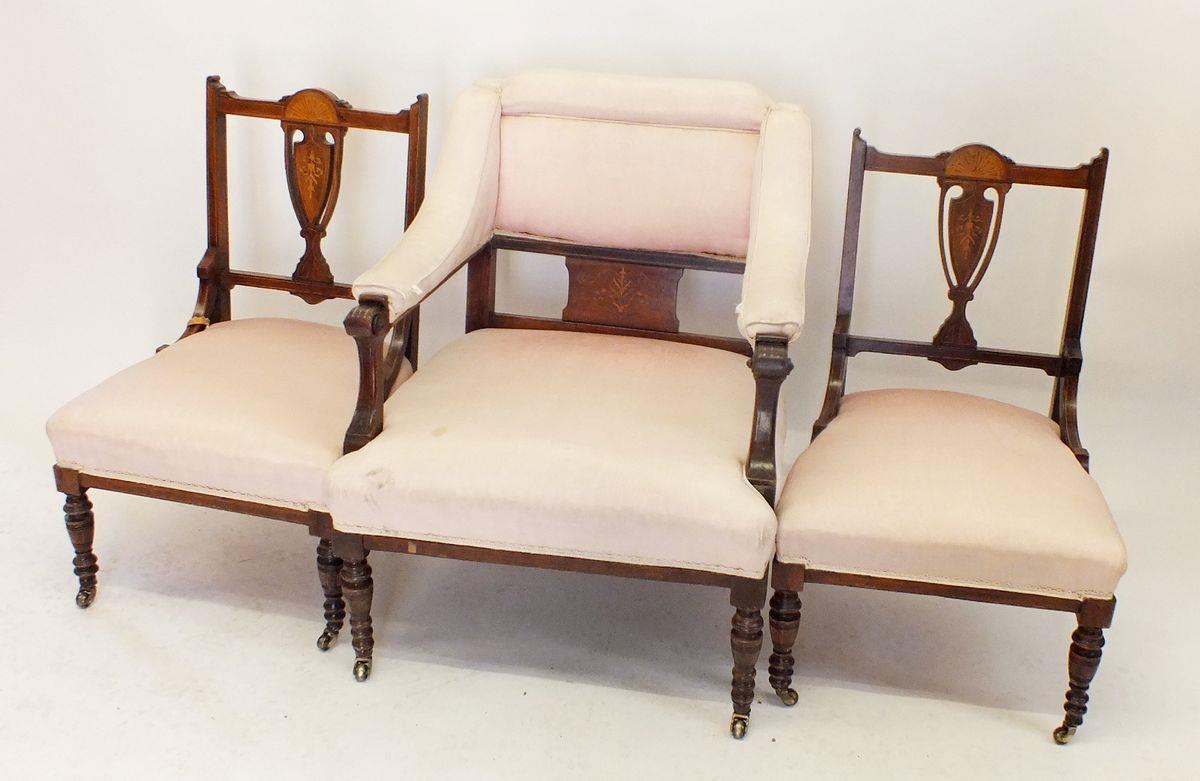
(600, 447)
(950, 488)
(255, 409)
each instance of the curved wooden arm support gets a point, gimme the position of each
(399, 347)
(1064, 406)
(212, 299)
(770, 365)
(836, 387)
(378, 369)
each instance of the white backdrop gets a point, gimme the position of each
(103, 219)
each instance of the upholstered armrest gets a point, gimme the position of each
(780, 225)
(458, 213)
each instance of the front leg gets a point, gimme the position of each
(785, 625)
(1087, 643)
(358, 588)
(329, 570)
(81, 527)
(745, 640)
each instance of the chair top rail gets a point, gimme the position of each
(343, 115)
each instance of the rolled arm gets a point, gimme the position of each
(458, 214)
(780, 227)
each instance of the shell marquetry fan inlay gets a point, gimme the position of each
(968, 226)
(313, 158)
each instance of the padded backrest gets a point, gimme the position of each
(630, 162)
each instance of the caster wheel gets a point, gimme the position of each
(788, 697)
(1063, 735)
(85, 597)
(327, 639)
(362, 669)
(738, 727)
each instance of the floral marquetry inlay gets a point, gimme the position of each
(622, 294)
(974, 183)
(313, 157)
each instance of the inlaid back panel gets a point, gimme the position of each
(313, 158)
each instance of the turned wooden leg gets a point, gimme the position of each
(785, 624)
(1087, 643)
(81, 527)
(329, 569)
(745, 639)
(358, 588)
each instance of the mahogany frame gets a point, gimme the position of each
(974, 169)
(615, 291)
(314, 123)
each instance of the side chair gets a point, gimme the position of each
(243, 415)
(607, 441)
(950, 494)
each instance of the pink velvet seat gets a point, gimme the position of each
(569, 444)
(253, 409)
(951, 488)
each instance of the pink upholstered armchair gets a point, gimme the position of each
(607, 441)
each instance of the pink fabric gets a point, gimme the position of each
(732, 105)
(572, 444)
(627, 185)
(255, 409)
(933, 485)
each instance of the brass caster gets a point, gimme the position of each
(788, 696)
(362, 669)
(738, 726)
(85, 597)
(327, 639)
(1063, 735)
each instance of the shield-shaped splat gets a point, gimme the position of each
(313, 159)
(968, 224)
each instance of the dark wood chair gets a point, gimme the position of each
(243, 415)
(947, 494)
(607, 441)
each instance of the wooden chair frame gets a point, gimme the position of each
(314, 124)
(974, 169)
(611, 291)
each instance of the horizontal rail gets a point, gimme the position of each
(1052, 365)
(275, 282)
(685, 260)
(232, 103)
(971, 593)
(446, 550)
(215, 501)
(1018, 174)
(502, 320)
